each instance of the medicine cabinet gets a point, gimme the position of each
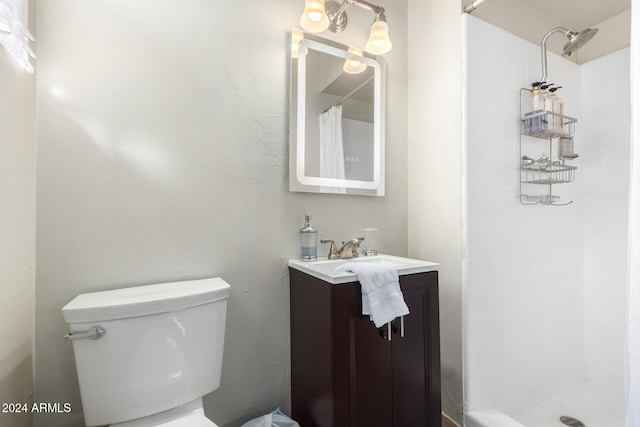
(337, 119)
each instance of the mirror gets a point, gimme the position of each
(337, 119)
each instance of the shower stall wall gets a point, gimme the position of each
(543, 286)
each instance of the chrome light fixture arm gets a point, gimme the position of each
(338, 17)
(366, 5)
(337, 14)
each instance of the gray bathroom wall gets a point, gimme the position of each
(435, 171)
(163, 141)
(17, 236)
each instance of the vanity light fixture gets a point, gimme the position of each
(379, 42)
(314, 18)
(353, 64)
(317, 13)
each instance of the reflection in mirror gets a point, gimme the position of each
(337, 139)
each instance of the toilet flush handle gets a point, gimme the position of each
(93, 333)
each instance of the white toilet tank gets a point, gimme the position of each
(162, 347)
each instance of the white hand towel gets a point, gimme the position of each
(382, 298)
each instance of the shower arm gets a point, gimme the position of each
(543, 49)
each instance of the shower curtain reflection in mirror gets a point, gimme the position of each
(332, 145)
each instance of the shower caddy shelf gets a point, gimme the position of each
(544, 171)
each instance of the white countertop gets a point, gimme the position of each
(325, 269)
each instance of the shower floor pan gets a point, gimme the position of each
(595, 406)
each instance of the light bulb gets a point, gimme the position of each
(379, 42)
(314, 15)
(314, 18)
(296, 37)
(353, 64)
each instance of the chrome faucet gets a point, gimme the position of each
(349, 248)
(333, 253)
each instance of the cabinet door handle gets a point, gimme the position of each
(401, 326)
(386, 331)
(390, 329)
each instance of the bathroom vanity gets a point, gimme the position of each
(345, 372)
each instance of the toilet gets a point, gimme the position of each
(147, 355)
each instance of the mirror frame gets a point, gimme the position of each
(298, 180)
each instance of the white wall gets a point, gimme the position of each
(605, 150)
(17, 228)
(434, 169)
(522, 295)
(163, 141)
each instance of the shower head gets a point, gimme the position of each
(577, 40)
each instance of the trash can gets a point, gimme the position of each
(274, 419)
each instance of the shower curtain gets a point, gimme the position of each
(331, 144)
(633, 312)
(332, 147)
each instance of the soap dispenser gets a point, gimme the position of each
(308, 240)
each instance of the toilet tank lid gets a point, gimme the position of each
(144, 300)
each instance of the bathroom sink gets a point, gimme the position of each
(325, 269)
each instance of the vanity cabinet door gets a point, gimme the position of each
(370, 370)
(346, 373)
(416, 355)
(396, 382)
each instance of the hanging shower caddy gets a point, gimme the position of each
(544, 171)
(549, 126)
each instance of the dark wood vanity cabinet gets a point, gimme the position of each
(345, 372)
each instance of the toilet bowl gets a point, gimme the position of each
(146, 356)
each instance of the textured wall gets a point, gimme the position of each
(163, 150)
(434, 161)
(17, 231)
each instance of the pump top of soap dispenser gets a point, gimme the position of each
(536, 85)
(307, 225)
